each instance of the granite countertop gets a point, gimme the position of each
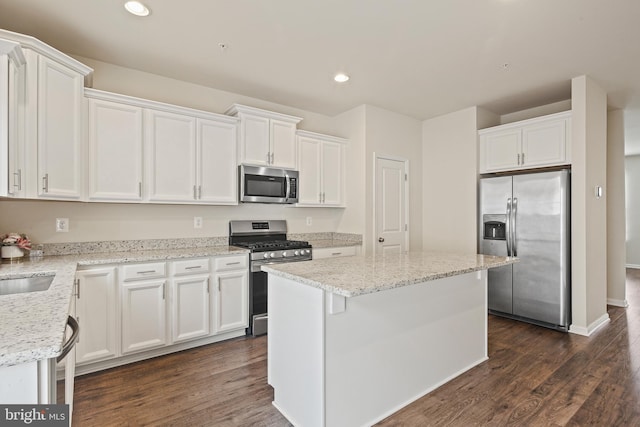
(32, 325)
(333, 243)
(353, 276)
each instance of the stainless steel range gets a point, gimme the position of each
(267, 241)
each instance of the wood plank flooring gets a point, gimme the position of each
(534, 377)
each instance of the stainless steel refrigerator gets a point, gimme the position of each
(528, 216)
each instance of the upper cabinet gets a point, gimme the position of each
(321, 164)
(266, 138)
(189, 156)
(540, 142)
(115, 149)
(12, 72)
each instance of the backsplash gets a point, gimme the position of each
(53, 249)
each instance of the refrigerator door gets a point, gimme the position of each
(541, 241)
(495, 194)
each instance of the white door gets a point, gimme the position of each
(217, 164)
(96, 313)
(232, 308)
(115, 151)
(143, 315)
(283, 144)
(190, 308)
(332, 173)
(390, 206)
(309, 191)
(171, 154)
(60, 145)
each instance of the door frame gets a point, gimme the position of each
(376, 156)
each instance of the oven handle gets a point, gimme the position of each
(66, 348)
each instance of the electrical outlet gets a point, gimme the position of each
(62, 225)
(197, 222)
(309, 220)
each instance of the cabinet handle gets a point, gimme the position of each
(268, 158)
(518, 159)
(164, 285)
(140, 189)
(78, 321)
(208, 285)
(199, 192)
(19, 176)
(77, 288)
(219, 285)
(320, 198)
(336, 253)
(193, 267)
(233, 263)
(272, 157)
(324, 197)
(523, 158)
(195, 193)
(45, 183)
(146, 272)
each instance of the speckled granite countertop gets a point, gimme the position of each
(333, 243)
(32, 325)
(353, 276)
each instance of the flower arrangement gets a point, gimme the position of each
(14, 239)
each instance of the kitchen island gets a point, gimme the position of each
(352, 340)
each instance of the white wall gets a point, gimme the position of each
(632, 170)
(588, 214)
(393, 134)
(449, 181)
(616, 253)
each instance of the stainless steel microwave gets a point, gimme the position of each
(267, 185)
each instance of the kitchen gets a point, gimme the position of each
(369, 129)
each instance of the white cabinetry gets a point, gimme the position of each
(335, 252)
(54, 116)
(217, 143)
(144, 307)
(97, 308)
(190, 304)
(12, 71)
(115, 150)
(231, 299)
(321, 168)
(540, 142)
(266, 138)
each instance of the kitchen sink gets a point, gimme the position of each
(25, 284)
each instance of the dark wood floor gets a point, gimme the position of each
(534, 377)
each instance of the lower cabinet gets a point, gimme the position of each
(144, 315)
(96, 313)
(335, 252)
(135, 311)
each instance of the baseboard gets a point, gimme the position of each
(618, 302)
(633, 265)
(594, 326)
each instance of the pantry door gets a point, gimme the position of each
(390, 214)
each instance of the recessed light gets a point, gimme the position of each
(136, 8)
(341, 78)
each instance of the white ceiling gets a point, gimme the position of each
(422, 58)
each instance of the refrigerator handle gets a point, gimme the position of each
(508, 224)
(514, 213)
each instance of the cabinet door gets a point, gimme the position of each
(96, 309)
(115, 151)
(283, 144)
(309, 152)
(544, 143)
(143, 315)
(332, 170)
(254, 140)
(500, 150)
(16, 138)
(217, 162)
(190, 308)
(335, 252)
(232, 309)
(171, 156)
(59, 131)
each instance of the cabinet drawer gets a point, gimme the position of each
(191, 266)
(236, 262)
(144, 271)
(334, 252)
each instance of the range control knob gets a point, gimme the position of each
(272, 254)
(266, 255)
(296, 253)
(284, 255)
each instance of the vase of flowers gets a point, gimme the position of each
(14, 245)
